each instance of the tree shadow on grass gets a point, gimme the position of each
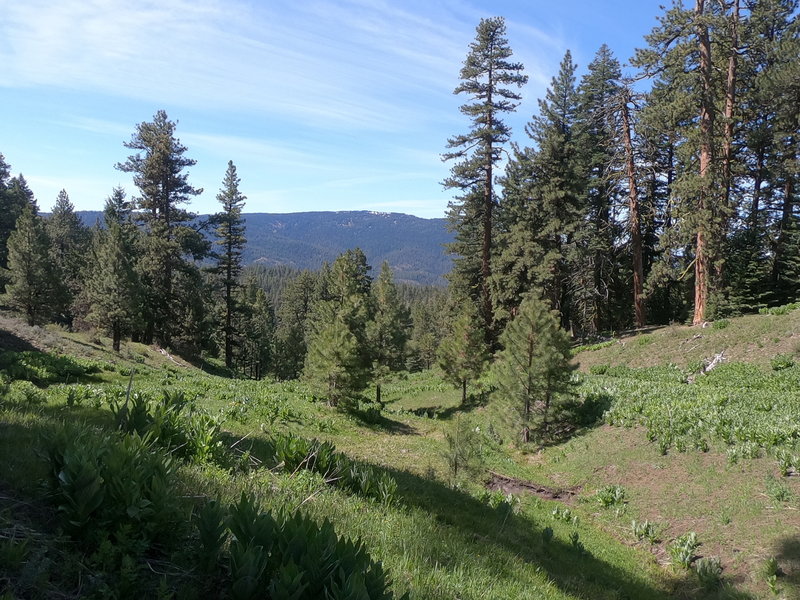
(377, 421)
(570, 566)
(9, 341)
(576, 419)
(45, 368)
(787, 553)
(208, 367)
(473, 402)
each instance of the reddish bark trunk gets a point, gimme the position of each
(634, 219)
(701, 284)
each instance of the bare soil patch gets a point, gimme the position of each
(512, 485)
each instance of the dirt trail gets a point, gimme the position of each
(512, 485)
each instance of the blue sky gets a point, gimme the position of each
(321, 104)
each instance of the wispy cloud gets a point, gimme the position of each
(351, 63)
(340, 101)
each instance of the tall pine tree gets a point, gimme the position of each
(543, 208)
(230, 243)
(485, 77)
(158, 171)
(69, 244)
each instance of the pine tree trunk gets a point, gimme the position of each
(463, 392)
(730, 99)
(701, 283)
(486, 250)
(634, 218)
(228, 325)
(783, 241)
(116, 336)
(378, 393)
(757, 182)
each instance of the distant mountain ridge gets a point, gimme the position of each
(413, 246)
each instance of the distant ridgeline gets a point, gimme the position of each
(412, 246)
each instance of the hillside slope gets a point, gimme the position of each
(413, 247)
(752, 338)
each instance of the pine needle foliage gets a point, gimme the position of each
(533, 370)
(486, 77)
(464, 353)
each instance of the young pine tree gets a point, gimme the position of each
(293, 325)
(463, 353)
(338, 360)
(34, 283)
(69, 244)
(387, 331)
(12, 204)
(533, 369)
(112, 286)
(333, 364)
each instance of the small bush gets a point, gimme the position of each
(610, 496)
(24, 393)
(720, 324)
(598, 369)
(296, 453)
(770, 571)
(106, 485)
(782, 361)
(779, 310)
(787, 461)
(565, 515)
(172, 422)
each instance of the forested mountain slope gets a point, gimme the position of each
(412, 246)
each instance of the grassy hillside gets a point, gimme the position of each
(650, 440)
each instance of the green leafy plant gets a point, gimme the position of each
(547, 535)
(296, 453)
(610, 496)
(682, 550)
(294, 557)
(210, 523)
(576, 543)
(564, 514)
(770, 571)
(782, 361)
(645, 531)
(102, 485)
(778, 491)
(709, 572)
